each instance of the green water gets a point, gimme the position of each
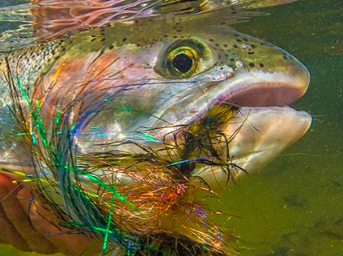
(294, 207)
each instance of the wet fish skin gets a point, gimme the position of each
(142, 40)
(130, 57)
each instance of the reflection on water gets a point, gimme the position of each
(293, 207)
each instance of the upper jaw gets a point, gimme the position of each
(244, 89)
(265, 89)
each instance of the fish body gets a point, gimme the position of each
(155, 108)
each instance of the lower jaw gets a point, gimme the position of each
(258, 135)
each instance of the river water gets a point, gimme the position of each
(294, 206)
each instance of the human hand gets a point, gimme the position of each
(28, 225)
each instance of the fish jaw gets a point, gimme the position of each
(244, 89)
(259, 135)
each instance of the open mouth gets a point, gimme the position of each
(247, 90)
(266, 125)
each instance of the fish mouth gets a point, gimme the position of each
(260, 89)
(245, 90)
(265, 125)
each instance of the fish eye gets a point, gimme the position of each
(183, 61)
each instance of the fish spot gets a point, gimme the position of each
(261, 65)
(124, 39)
(252, 65)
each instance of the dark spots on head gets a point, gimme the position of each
(232, 59)
(238, 40)
(165, 36)
(252, 65)
(103, 39)
(111, 47)
(261, 65)
(217, 45)
(124, 39)
(211, 40)
(251, 52)
(175, 37)
(236, 35)
(93, 39)
(225, 45)
(235, 46)
(245, 39)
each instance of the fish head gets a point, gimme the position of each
(137, 87)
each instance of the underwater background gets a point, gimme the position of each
(293, 207)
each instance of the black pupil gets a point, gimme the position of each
(183, 63)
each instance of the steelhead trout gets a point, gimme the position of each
(126, 123)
